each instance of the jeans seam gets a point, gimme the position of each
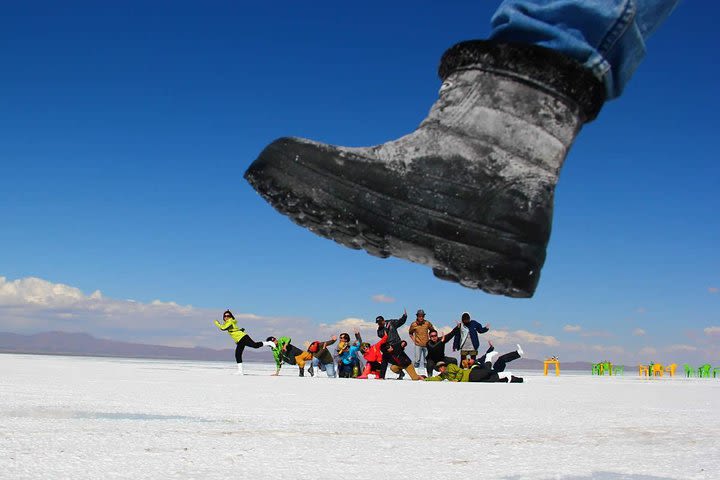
(617, 31)
(598, 63)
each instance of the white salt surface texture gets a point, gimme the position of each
(90, 418)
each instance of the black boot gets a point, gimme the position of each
(470, 192)
(302, 372)
(311, 370)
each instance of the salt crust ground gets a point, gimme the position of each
(75, 417)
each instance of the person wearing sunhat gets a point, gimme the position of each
(240, 338)
(419, 331)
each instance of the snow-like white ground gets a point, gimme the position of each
(75, 417)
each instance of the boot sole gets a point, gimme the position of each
(316, 196)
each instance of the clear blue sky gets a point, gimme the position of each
(125, 131)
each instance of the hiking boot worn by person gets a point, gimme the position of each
(470, 191)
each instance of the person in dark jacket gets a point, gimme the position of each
(322, 358)
(467, 340)
(394, 348)
(436, 349)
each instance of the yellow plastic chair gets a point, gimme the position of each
(643, 370)
(671, 369)
(658, 370)
(551, 361)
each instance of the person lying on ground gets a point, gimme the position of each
(476, 373)
(498, 363)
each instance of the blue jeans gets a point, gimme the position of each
(420, 355)
(328, 368)
(607, 36)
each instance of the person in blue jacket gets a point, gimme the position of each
(348, 361)
(467, 340)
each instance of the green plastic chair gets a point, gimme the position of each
(595, 369)
(606, 369)
(716, 372)
(619, 370)
(689, 371)
(704, 371)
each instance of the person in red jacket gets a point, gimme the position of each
(373, 358)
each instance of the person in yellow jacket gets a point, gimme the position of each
(240, 338)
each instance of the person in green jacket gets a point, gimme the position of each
(240, 338)
(476, 373)
(286, 352)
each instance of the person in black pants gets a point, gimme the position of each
(393, 343)
(240, 338)
(498, 363)
(436, 349)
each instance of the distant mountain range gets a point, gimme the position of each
(62, 343)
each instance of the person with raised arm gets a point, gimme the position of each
(240, 338)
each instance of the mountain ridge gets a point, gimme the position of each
(84, 344)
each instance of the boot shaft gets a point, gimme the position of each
(525, 104)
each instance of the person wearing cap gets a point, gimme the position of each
(322, 358)
(240, 338)
(286, 352)
(394, 348)
(467, 341)
(436, 349)
(419, 334)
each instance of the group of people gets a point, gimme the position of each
(360, 359)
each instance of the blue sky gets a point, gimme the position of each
(126, 130)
